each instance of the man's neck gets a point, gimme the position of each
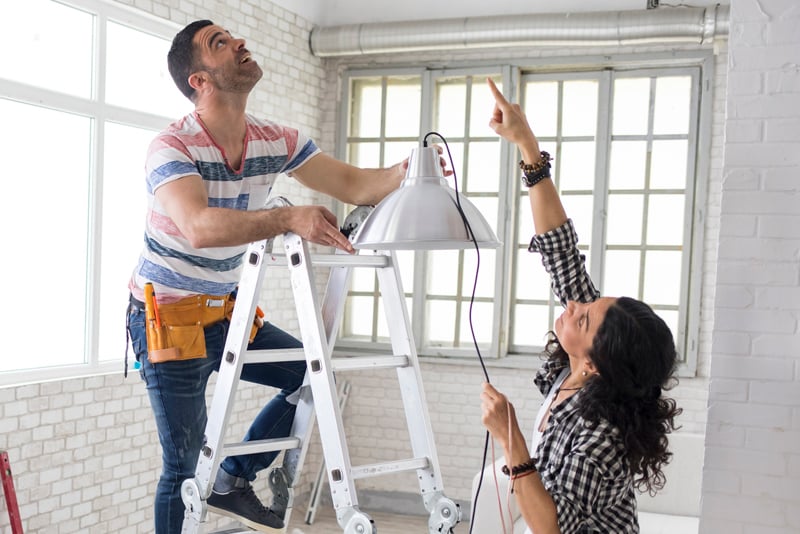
(224, 120)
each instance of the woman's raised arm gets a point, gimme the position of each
(509, 121)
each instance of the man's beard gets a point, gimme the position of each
(241, 83)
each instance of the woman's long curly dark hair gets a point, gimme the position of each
(635, 357)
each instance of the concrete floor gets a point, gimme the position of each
(385, 523)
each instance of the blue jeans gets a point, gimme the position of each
(177, 395)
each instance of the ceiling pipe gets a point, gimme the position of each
(674, 25)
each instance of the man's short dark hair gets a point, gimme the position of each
(181, 60)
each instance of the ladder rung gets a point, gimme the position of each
(274, 356)
(337, 260)
(261, 445)
(360, 363)
(385, 468)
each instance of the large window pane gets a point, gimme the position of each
(672, 107)
(631, 105)
(622, 273)
(531, 324)
(482, 168)
(576, 169)
(482, 104)
(129, 50)
(532, 281)
(451, 102)
(668, 167)
(402, 108)
(45, 217)
(628, 165)
(52, 46)
(662, 280)
(624, 219)
(365, 109)
(541, 107)
(123, 211)
(580, 108)
(663, 228)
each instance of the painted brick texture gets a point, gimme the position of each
(751, 470)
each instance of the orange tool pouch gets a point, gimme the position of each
(176, 331)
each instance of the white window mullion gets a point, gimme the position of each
(602, 169)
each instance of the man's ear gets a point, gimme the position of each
(197, 80)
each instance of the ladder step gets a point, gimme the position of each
(261, 445)
(336, 260)
(342, 363)
(361, 363)
(274, 356)
(385, 468)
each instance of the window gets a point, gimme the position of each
(625, 153)
(74, 163)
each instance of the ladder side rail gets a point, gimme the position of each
(282, 480)
(444, 513)
(232, 359)
(334, 300)
(320, 373)
(410, 377)
(316, 489)
(10, 494)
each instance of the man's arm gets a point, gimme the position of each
(186, 203)
(344, 182)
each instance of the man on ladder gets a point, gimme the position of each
(208, 176)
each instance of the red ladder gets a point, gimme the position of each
(11, 495)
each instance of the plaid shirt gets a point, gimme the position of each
(582, 468)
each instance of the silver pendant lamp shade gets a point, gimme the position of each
(423, 214)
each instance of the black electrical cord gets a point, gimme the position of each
(471, 302)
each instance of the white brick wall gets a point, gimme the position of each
(84, 451)
(752, 467)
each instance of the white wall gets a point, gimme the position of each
(752, 466)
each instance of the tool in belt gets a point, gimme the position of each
(175, 331)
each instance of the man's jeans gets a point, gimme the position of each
(177, 395)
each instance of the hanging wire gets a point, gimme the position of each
(471, 302)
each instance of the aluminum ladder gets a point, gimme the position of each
(319, 322)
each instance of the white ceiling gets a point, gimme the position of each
(336, 12)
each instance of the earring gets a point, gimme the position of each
(584, 373)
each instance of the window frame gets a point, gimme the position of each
(99, 113)
(513, 73)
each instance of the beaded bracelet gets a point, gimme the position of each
(535, 173)
(519, 469)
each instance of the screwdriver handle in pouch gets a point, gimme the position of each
(155, 331)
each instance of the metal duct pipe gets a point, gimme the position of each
(679, 25)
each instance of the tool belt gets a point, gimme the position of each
(176, 331)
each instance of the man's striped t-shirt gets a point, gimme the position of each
(185, 148)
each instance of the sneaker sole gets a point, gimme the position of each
(250, 524)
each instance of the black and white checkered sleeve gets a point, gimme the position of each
(565, 264)
(594, 491)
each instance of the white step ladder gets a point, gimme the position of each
(319, 325)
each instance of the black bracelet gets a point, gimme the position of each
(533, 174)
(519, 469)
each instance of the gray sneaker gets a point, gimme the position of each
(234, 497)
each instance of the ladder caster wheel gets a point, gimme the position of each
(359, 523)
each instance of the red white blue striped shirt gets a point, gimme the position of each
(185, 148)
